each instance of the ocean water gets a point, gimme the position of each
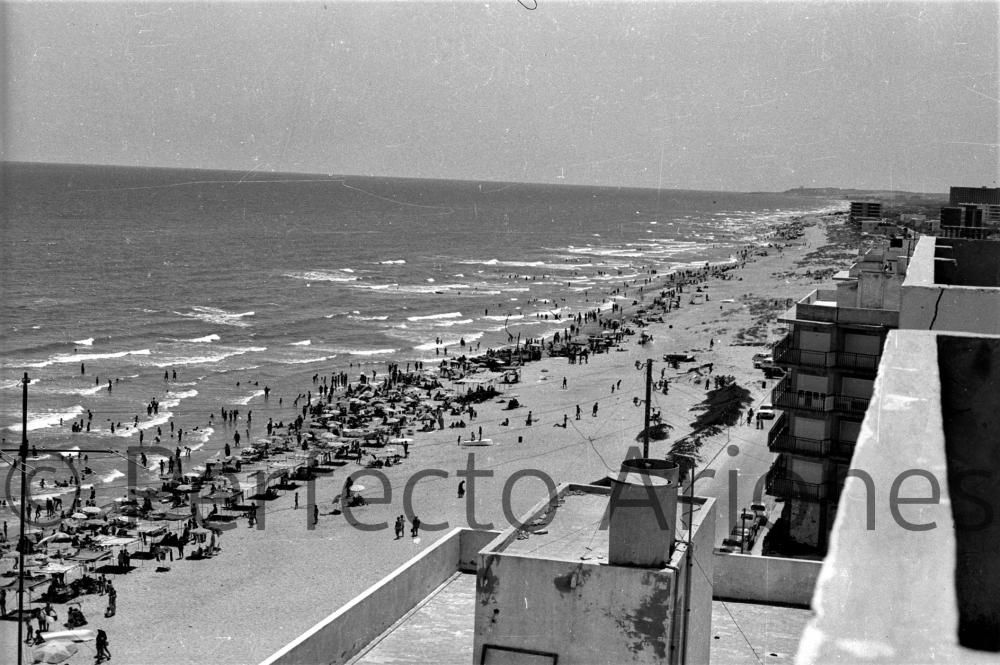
(239, 280)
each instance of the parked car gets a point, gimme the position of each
(772, 371)
(765, 412)
(760, 359)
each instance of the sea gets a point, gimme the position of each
(197, 289)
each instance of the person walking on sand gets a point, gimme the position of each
(102, 646)
(594, 412)
(461, 489)
(577, 411)
(296, 501)
(415, 529)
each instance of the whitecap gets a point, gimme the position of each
(38, 421)
(243, 401)
(85, 342)
(217, 316)
(305, 342)
(198, 360)
(304, 361)
(85, 357)
(206, 338)
(367, 318)
(322, 276)
(110, 477)
(429, 317)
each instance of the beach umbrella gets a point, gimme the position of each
(183, 488)
(91, 510)
(55, 651)
(79, 516)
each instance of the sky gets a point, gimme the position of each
(753, 96)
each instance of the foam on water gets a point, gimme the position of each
(218, 316)
(302, 361)
(85, 342)
(206, 339)
(323, 276)
(113, 475)
(220, 355)
(37, 421)
(451, 343)
(431, 317)
(86, 357)
(243, 401)
(305, 342)
(455, 322)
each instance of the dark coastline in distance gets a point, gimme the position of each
(137, 174)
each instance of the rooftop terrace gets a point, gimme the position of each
(912, 574)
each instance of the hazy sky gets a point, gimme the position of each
(734, 96)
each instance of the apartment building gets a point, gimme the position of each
(831, 355)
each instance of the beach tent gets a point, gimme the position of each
(55, 651)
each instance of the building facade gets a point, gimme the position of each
(865, 210)
(831, 355)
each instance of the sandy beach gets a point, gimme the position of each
(269, 584)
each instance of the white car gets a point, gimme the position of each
(765, 412)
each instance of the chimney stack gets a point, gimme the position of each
(643, 509)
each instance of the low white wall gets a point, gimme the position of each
(344, 633)
(764, 579)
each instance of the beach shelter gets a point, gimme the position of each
(55, 651)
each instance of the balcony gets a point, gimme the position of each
(781, 440)
(785, 354)
(782, 483)
(784, 398)
(861, 362)
(855, 406)
(969, 232)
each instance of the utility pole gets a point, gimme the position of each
(24, 513)
(649, 391)
(23, 454)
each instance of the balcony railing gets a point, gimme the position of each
(786, 354)
(851, 405)
(972, 232)
(783, 396)
(781, 346)
(781, 440)
(783, 484)
(866, 362)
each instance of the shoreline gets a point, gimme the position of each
(312, 572)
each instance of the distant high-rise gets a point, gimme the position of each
(865, 209)
(982, 195)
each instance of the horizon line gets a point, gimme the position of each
(334, 176)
